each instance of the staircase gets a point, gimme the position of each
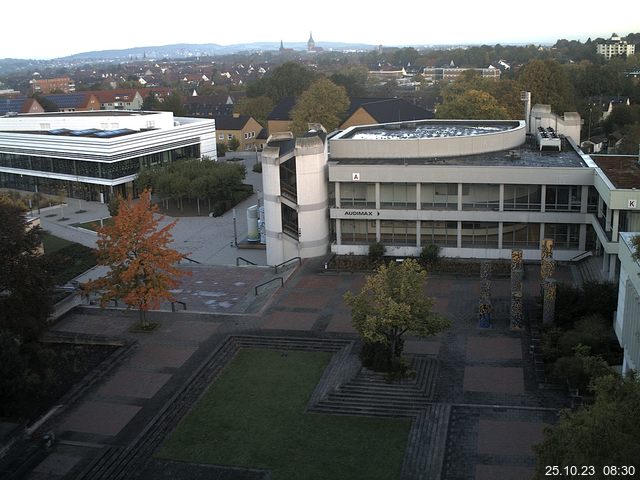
(589, 269)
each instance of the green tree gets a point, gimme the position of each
(288, 80)
(233, 144)
(151, 103)
(353, 79)
(324, 102)
(391, 304)
(173, 103)
(472, 104)
(549, 84)
(25, 283)
(603, 434)
(256, 107)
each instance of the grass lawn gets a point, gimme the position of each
(67, 259)
(253, 416)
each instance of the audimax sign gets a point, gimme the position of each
(361, 213)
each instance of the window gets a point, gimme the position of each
(480, 234)
(358, 232)
(565, 236)
(290, 221)
(398, 232)
(563, 198)
(230, 136)
(480, 197)
(399, 196)
(441, 196)
(522, 197)
(221, 136)
(357, 194)
(520, 235)
(443, 234)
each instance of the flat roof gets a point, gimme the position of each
(90, 113)
(622, 170)
(433, 130)
(526, 155)
(427, 129)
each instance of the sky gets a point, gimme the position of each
(46, 30)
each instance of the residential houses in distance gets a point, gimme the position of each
(241, 127)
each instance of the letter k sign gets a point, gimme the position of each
(632, 203)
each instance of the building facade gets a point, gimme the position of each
(93, 155)
(241, 127)
(46, 86)
(449, 74)
(615, 47)
(626, 322)
(477, 189)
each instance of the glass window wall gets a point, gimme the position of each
(481, 197)
(398, 232)
(480, 234)
(356, 194)
(358, 232)
(399, 196)
(439, 196)
(522, 197)
(443, 234)
(520, 235)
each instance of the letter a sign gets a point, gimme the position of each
(355, 177)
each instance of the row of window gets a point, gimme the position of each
(445, 234)
(230, 136)
(83, 168)
(474, 196)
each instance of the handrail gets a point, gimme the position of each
(191, 260)
(581, 256)
(287, 261)
(268, 282)
(173, 305)
(244, 260)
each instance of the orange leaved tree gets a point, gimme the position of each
(142, 266)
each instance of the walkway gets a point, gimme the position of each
(482, 379)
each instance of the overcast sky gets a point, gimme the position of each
(44, 29)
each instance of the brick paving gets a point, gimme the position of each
(476, 367)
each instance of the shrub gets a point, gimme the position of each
(430, 254)
(221, 149)
(114, 205)
(378, 356)
(376, 252)
(257, 167)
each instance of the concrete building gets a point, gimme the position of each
(94, 154)
(626, 322)
(615, 47)
(294, 173)
(46, 86)
(476, 188)
(449, 74)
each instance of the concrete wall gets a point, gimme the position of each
(344, 147)
(568, 125)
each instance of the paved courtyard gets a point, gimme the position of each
(484, 375)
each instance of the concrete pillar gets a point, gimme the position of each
(377, 230)
(584, 199)
(543, 199)
(607, 223)
(541, 233)
(500, 227)
(378, 201)
(459, 197)
(418, 237)
(501, 201)
(337, 194)
(582, 238)
(338, 231)
(418, 197)
(459, 239)
(600, 204)
(605, 263)
(614, 227)
(613, 260)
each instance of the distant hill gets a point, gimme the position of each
(193, 49)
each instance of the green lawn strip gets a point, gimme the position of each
(67, 259)
(52, 243)
(253, 416)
